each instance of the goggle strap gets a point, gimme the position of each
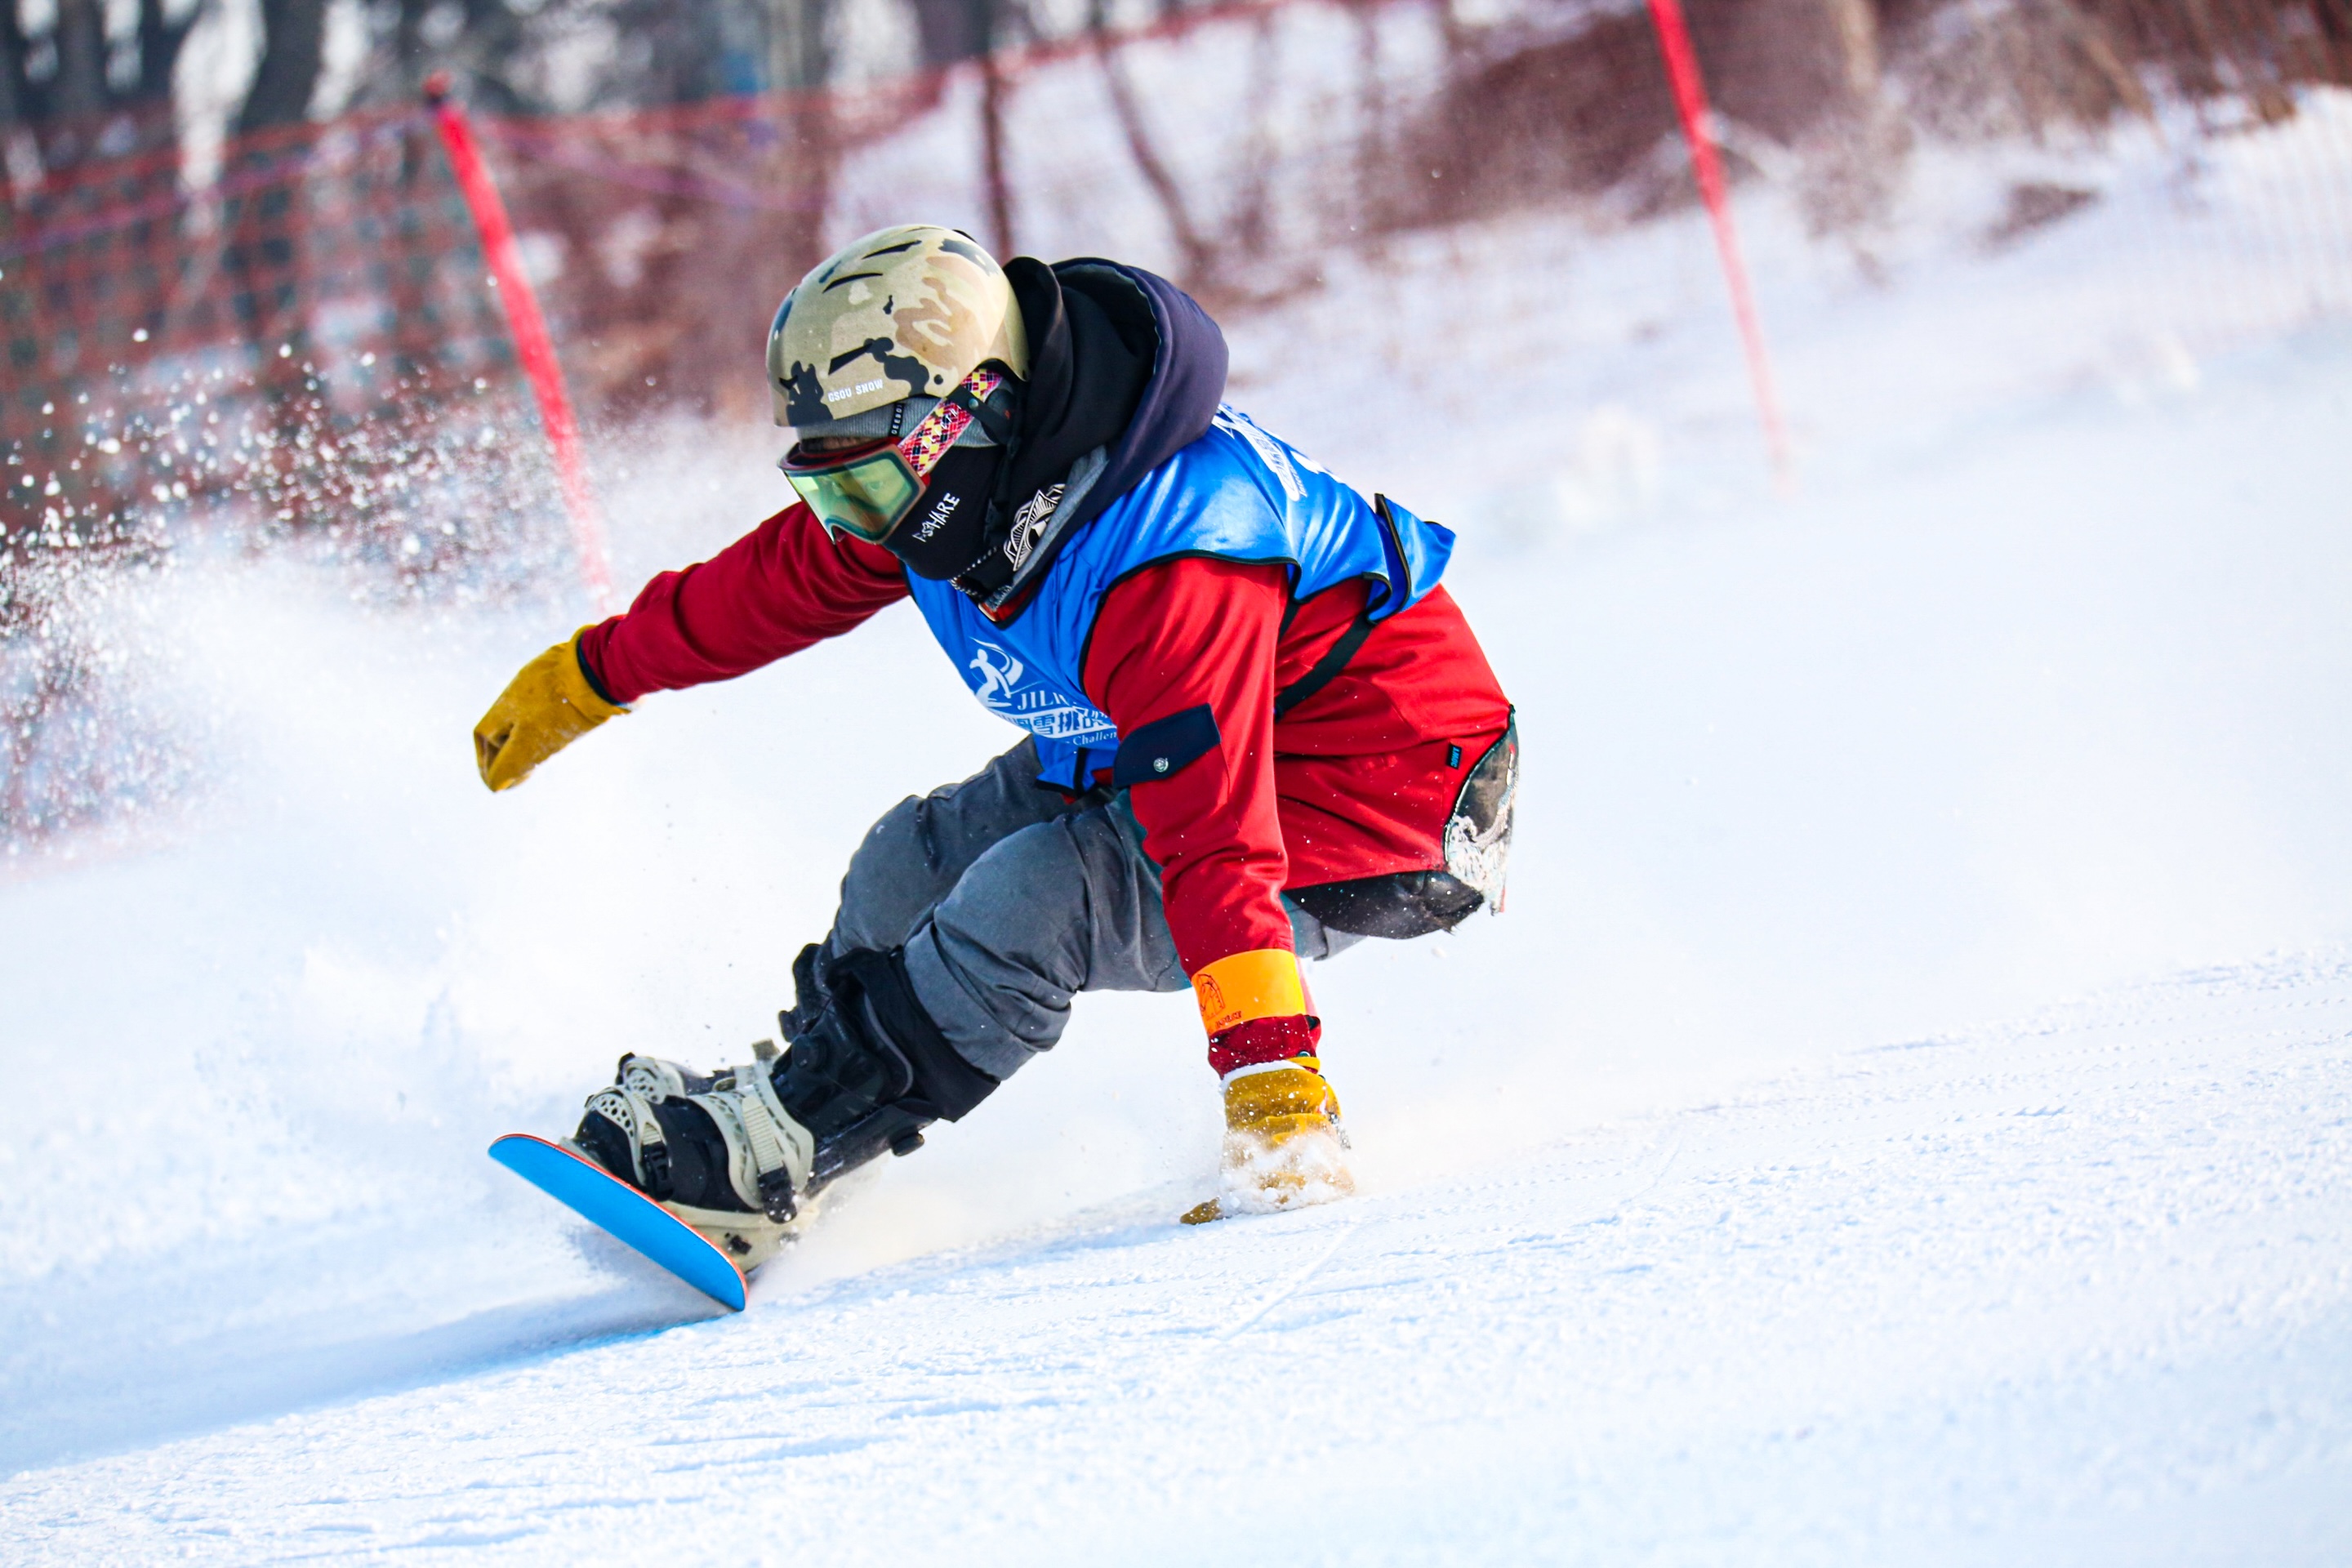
(944, 425)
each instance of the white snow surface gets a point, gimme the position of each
(1905, 1115)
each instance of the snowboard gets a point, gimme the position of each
(622, 1212)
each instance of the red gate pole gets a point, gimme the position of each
(1690, 104)
(533, 345)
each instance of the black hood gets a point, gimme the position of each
(1120, 360)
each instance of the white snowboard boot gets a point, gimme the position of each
(718, 1150)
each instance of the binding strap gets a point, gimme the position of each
(776, 1152)
(627, 1108)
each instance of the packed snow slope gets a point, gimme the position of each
(2067, 1292)
(1905, 1114)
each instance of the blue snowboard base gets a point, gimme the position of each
(623, 1213)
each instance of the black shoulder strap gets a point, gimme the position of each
(1335, 659)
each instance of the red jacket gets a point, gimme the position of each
(1356, 781)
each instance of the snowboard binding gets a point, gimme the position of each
(718, 1150)
(737, 1153)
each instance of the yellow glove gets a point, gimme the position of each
(1285, 1146)
(1280, 1101)
(547, 706)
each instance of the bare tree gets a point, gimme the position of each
(293, 49)
(1200, 255)
(949, 32)
(84, 94)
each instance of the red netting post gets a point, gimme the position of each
(1690, 104)
(533, 345)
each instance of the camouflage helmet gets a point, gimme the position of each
(904, 312)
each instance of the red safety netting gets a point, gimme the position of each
(283, 342)
(310, 344)
(330, 286)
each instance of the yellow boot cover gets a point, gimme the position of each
(547, 706)
(1285, 1146)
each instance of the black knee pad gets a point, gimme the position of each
(871, 1069)
(944, 1083)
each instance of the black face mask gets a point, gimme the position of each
(944, 533)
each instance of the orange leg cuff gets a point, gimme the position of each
(1261, 983)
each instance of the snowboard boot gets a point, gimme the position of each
(717, 1150)
(1285, 1146)
(735, 1153)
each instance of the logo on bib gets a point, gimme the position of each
(1046, 713)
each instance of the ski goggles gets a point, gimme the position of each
(868, 489)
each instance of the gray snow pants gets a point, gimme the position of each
(1010, 901)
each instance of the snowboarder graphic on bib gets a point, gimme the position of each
(1259, 730)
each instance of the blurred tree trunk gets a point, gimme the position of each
(742, 264)
(78, 111)
(1200, 257)
(16, 90)
(492, 41)
(801, 66)
(160, 37)
(294, 39)
(265, 235)
(949, 32)
(801, 44)
(74, 99)
(79, 89)
(995, 89)
(1805, 75)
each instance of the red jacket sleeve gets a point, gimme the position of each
(785, 585)
(1174, 637)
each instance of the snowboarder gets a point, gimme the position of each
(1259, 730)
